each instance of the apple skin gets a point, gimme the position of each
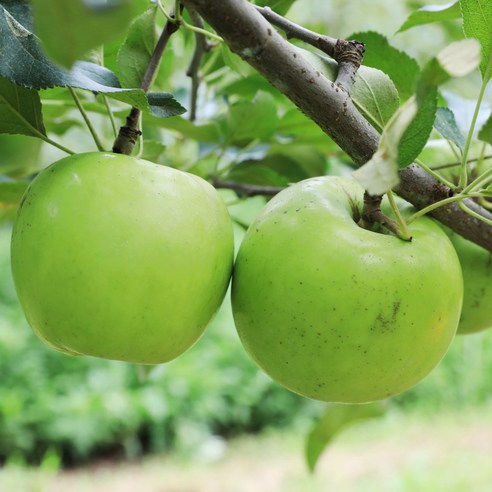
(338, 313)
(120, 258)
(476, 264)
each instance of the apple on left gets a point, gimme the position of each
(120, 258)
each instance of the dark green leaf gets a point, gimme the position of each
(432, 13)
(134, 55)
(485, 133)
(456, 60)
(419, 130)
(401, 68)
(336, 419)
(69, 29)
(446, 125)
(24, 64)
(477, 23)
(163, 105)
(20, 110)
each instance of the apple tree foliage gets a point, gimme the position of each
(207, 91)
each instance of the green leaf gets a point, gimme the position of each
(418, 131)
(20, 110)
(297, 126)
(477, 23)
(446, 125)
(375, 96)
(280, 6)
(207, 133)
(373, 92)
(163, 105)
(380, 174)
(23, 63)
(456, 60)
(134, 55)
(406, 134)
(401, 68)
(432, 13)
(250, 120)
(284, 164)
(485, 133)
(11, 191)
(68, 30)
(336, 419)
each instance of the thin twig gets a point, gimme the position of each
(458, 163)
(129, 133)
(248, 189)
(201, 47)
(348, 54)
(292, 30)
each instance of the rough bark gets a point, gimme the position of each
(252, 37)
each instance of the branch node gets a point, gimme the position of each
(348, 55)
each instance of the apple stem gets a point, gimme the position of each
(371, 213)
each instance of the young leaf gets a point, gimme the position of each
(20, 110)
(336, 418)
(432, 13)
(485, 133)
(375, 96)
(134, 55)
(446, 125)
(477, 23)
(401, 68)
(68, 30)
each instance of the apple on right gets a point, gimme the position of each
(476, 264)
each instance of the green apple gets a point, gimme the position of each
(336, 312)
(120, 258)
(476, 264)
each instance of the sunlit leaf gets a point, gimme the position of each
(432, 13)
(134, 55)
(477, 23)
(82, 25)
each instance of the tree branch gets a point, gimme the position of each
(129, 133)
(250, 35)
